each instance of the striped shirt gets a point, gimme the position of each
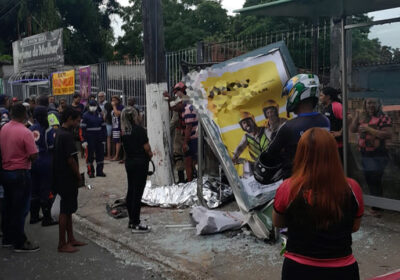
(190, 117)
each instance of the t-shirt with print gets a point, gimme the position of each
(17, 145)
(65, 180)
(369, 143)
(116, 122)
(190, 117)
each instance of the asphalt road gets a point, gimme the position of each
(91, 262)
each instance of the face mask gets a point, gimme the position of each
(92, 108)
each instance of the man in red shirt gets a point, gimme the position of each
(18, 150)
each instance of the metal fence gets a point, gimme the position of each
(125, 79)
(299, 42)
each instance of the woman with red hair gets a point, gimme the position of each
(321, 207)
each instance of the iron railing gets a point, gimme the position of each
(298, 41)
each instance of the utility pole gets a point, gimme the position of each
(157, 107)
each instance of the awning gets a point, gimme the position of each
(28, 77)
(321, 8)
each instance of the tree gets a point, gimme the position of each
(131, 43)
(185, 23)
(88, 36)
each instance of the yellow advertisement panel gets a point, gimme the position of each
(64, 82)
(240, 107)
(244, 100)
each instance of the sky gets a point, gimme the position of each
(386, 33)
(229, 5)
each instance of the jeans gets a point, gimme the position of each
(17, 195)
(374, 168)
(136, 170)
(42, 178)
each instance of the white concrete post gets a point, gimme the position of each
(159, 133)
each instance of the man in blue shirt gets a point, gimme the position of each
(276, 162)
(94, 137)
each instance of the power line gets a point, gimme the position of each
(16, 5)
(6, 5)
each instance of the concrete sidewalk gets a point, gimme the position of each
(178, 253)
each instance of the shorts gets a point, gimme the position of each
(116, 135)
(192, 152)
(69, 203)
(109, 130)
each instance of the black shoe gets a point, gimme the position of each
(28, 247)
(101, 174)
(91, 175)
(48, 221)
(140, 229)
(35, 220)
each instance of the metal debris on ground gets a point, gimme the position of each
(185, 195)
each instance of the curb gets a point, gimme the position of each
(130, 254)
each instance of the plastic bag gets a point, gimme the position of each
(55, 208)
(212, 221)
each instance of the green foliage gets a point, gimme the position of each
(87, 34)
(185, 23)
(5, 58)
(131, 44)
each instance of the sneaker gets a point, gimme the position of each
(101, 175)
(27, 248)
(6, 245)
(140, 229)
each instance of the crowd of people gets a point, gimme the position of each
(40, 141)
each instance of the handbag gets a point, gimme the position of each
(152, 170)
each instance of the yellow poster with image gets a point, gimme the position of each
(244, 90)
(240, 106)
(63, 82)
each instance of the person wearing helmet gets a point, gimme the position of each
(302, 93)
(271, 114)
(179, 89)
(94, 136)
(177, 128)
(254, 138)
